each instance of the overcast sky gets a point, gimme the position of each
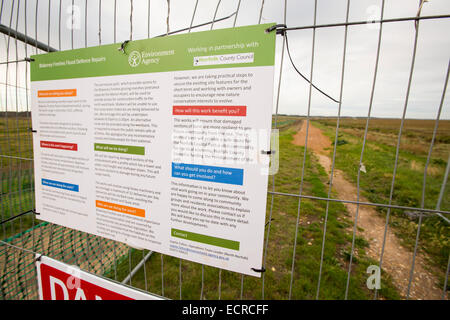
(432, 58)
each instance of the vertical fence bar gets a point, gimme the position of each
(369, 112)
(203, 282)
(168, 18)
(261, 11)
(148, 20)
(19, 161)
(59, 24)
(397, 150)
(438, 207)
(162, 256)
(88, 236)
(162, 275)
(304, 156)
(131, 20)
(180, 278)
(99, 22)
(444, 183)
(72, 23)
(4, 193)
(220, 283)
(11, 213)
(36, 26)
(273, 177)
(29, 134)
(115, 21)
(48, 26)
(368, 117)
(143, 268)
(422, 204)
(1, 11)
(237, 12)
(215, 14)
(339, 117)
(370, 107)
(444, 289)
(234, 24)
(129, 264)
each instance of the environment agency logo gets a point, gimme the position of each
(134, 59)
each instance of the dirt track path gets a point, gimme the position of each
(396, 258)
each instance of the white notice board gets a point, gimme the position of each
(159, 146)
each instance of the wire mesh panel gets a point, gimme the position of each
(90, 253)
(359, 208)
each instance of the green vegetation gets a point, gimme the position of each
(16, 175)
(280, 248)
(15, 141)
(379, 158)
(284, 122)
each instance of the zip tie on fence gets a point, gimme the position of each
(268, 152)
(36, 213)
(31, 129)
(259, 270)
(28, 59)
(38, 258)
(277, 28)
(122, 46)
(269, 221)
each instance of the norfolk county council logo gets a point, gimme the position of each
(134, 59)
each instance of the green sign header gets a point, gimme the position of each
(199, 50)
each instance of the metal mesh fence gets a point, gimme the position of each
(313, 244)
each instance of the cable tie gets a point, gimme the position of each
(269, 221)
(268, 152)
(122, 46)
(276, 27)
(29, 59)
(259, 270)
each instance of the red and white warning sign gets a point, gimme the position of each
(60, 281)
